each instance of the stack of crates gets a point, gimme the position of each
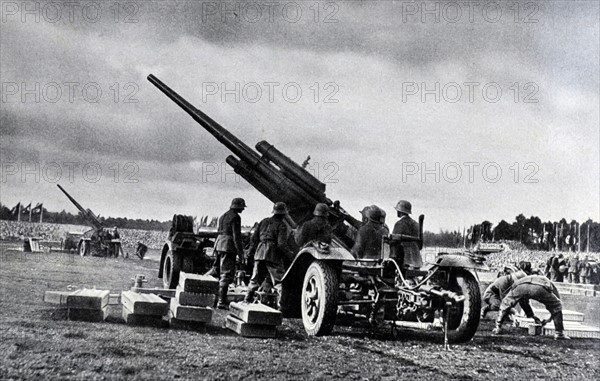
(144, 309)
(191, 308)
(253, 320)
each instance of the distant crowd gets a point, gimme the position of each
(558, 266)
(17, 231)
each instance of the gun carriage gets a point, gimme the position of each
(321, 280)
(97, 241)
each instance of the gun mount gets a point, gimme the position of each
(89, 216)
(100, 241)
(318, 281)
(273, 174)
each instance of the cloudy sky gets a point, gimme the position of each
(472, 112)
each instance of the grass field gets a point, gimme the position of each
(38, 342)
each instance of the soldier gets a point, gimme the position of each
(493, 295)
(538, 288)
(364, 212)
(548, 268)
(228, 246)
(317, 229)
(386, 229)
(115, 233)
(585, 271)
(269, 247)
(556, 273)
(407, 226)
(574, 269)
(369, 237)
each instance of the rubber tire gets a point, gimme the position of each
(83, 248)
(463, 325)
(187, 264)
(324, 277)
(171, 269)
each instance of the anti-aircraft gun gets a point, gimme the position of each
(318, 282)
(98, 241)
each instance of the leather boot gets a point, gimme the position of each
(484, 311)
(222, 304)
(249, 298)
(501, 316)
(559, 327)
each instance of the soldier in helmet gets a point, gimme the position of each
(493, 295)
(538, 288)
(364, 212)
(407, 226)
(269, 247)
(386, 229)
(368, 239)
(228, 246)
(317, 229)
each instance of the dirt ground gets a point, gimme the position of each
(38, 342)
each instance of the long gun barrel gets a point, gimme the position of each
(86, 213)
(273, 174)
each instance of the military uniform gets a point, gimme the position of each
(495, 292)
(555, 274)
(317, 229)
(227, 247)
(412, 253)
(585, 271)
(574, 270)
(368, 241)
(538, 288)
(269, 246)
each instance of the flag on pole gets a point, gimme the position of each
(16, 209)
(39, 208)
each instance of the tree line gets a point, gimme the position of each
(64, 217)
(531, 232)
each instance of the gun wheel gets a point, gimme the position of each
(171, 269)
(83, 248)
(463, 319)
(319, 299)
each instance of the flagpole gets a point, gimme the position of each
(588, 237)
(30, 212)
(19, 213)
(578, 237)
(41, 212)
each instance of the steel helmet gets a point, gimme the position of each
(238, 203)
(525, 266)
(374, 214)
(280, 208)
(365, 210)
(518, 275)
(404, 207)
(321, 210)
(383, 214)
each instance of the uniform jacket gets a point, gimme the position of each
(538, 280)
(573, 265)
(412, 254)
(368, 241)
(501, 286)
(585, 270)
(556, 263)
(317, 229)
(269, 241)
(229, 228)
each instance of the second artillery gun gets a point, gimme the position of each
(98, 241)
(318, 282)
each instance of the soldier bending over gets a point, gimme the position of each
(538, 288)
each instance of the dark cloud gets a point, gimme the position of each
(369, 52)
